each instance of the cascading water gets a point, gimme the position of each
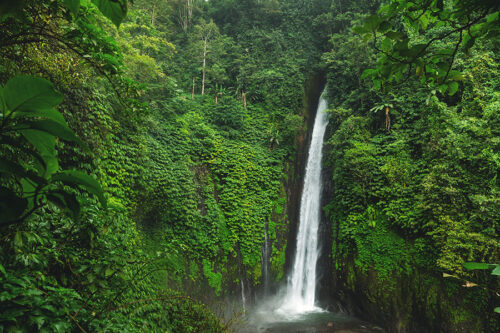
(243, 297)
(265, 259)
(295, 309)
(300, 293)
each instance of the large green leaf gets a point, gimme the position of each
(394, 35)
(386, 44)
(368, 72)
(108, 272)
(2, 102)
(74, 177)
(6, 140)
(360, 29)
(55, 128)
(371, 22)
(452, 88)
(115, 10)
(45, 144)
(18, 170)
(28, 192)
(73, 5)
(51, 114)
(477, 265)
(27, 93)
(496, 271)
(11, 206)
(51, 165)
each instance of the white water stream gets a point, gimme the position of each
(294, 308)
(243, 297)
(300, 293)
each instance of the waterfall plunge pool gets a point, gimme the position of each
(271, 317)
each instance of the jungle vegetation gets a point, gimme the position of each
(146, 147)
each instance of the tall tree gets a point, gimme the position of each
(159, 11)
(184, 12)
(204, 34)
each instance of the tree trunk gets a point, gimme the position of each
(192, 92)
(387, 119)
(189, 11)
(153, 16)
(182, 18)
(244, 99)
(203, 67)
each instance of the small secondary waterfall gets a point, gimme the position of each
(300, 293)
(243, 298)
(265, 259)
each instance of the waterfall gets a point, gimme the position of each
(300, 293)
(243, 298)
(265, 259)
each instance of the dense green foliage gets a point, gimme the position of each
(186, 117)
(416, 190)
(433, 34)
(145, 149)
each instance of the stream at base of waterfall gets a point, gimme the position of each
(294, 309)
(261, 320)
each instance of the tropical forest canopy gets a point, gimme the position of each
(147, 149)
